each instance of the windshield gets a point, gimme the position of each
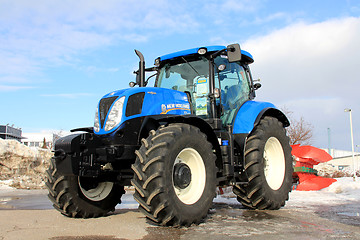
(191, 77)
(181, 76)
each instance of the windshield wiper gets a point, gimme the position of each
(198, 74)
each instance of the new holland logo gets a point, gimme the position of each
(165, 108)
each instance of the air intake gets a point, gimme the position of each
(134, 105)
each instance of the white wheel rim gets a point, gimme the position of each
(100, 192)
(192, 193)
(274, 163)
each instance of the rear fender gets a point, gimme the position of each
(250, 114)
(273, 112)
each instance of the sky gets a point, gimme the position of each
(58, 58)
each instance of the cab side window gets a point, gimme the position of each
(235, 88)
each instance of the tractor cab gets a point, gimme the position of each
(216, 84)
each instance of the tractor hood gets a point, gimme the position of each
(119, 106)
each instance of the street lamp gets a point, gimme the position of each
(352, 141)
(357, 163)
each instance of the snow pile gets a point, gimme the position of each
(346, 186)
(325, 168)
(22, 166)
(5, 185)
(342, 191)
(330, 171)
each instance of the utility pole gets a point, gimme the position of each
(329, 142)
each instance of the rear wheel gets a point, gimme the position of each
(81, 197)
(175, 175)
(268, 165)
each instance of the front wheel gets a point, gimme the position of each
(175, 175)
(81, 197)
(268, 165)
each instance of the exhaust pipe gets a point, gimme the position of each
(140, 74)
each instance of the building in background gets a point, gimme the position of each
(346, 162)
(343, 160)
(10, 132)
(38, 139)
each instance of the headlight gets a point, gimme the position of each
(96, 121)
(115, 114)
(202, 51)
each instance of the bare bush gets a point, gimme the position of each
(299, 131)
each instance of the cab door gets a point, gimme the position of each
(235, 88)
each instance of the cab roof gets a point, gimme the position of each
(245, 55)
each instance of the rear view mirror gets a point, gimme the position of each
(234, 53)
(257, 86)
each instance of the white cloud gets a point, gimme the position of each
(306, 57)
(14, 62)
(38, 34)
(227, 6)
(313, 69)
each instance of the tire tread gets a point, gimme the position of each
(149, 186)
(256, 194)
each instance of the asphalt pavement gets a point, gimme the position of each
(28, 214)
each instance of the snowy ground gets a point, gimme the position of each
(342, 191)
(345, 190)
(331, 213)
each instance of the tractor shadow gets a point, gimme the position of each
(226, 211)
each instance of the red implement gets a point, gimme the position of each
(306, 157)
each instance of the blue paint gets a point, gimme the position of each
(247, 114)
(195, 50)
(157, 101)
(190, 51)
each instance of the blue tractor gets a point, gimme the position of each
(197, 129)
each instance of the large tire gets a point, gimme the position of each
(175, 175)
(78, 197)
(268, 165)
